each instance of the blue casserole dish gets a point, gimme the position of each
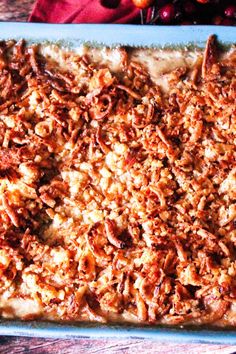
(112, 35)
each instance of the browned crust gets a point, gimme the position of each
(117, 200)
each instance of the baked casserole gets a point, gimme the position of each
(118, 184)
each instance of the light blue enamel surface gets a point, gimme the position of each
(56, 330)
(111, 35)
(118, 34)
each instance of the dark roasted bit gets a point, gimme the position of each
(209, 57)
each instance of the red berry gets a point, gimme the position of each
(203, 1)
(217, 20)
(227, 22)
(230, 11)
(167, 13)
(143, 4)
(189, 8)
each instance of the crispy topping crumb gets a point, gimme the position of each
(118, 198)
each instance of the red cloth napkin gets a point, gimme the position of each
(83, 11)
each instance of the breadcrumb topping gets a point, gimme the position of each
(117, 198)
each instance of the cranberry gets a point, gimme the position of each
(230, 11)
(167, 13)
(189, 8)
(143, 4)
(217, 20)
(227, 22)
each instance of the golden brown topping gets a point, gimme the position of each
(129, 91)
(10, 211)
(117, 194)
(110, 229)
(103, 107)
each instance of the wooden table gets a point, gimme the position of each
(18, 10)
(108, 346)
